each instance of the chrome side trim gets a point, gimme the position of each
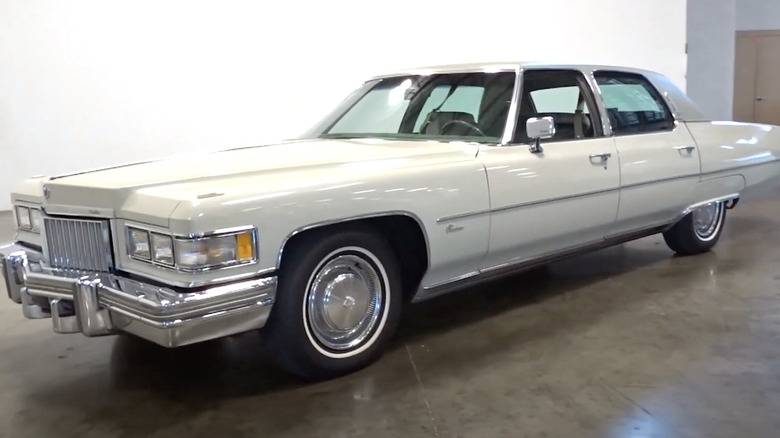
(462, 216)
(354, 218)
(452, 280)
(692, 207)
(744, 166)
(559, 198)
(519, 265)
(549, 200)
(661, 180)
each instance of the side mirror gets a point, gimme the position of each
(539, 128)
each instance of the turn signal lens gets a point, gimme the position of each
(245, 246)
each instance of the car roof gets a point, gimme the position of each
(682, 107)
(502, 66)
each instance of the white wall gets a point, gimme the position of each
(92, 83)
(758, 14)
(711, 40)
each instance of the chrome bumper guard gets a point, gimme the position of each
(98, 304)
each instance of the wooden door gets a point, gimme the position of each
(757, 77)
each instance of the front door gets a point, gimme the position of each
(563, 197)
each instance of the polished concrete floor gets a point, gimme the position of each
(626, 342)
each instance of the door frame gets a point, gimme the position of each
(746, 90)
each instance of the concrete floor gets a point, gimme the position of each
(625, 342)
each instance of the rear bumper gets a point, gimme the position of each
(98, 304)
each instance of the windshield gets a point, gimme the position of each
(463, 106)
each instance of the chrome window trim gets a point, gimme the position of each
(514, 107)
(590, 83)
(223, 232)
(505, 67)
(606, 125)
(664, 100)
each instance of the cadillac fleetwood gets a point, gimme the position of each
(420, 183)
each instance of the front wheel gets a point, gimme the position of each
(337, 305)
(699, 231)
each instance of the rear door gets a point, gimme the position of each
(659, 162)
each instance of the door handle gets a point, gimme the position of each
(687, 149)
(602, 157)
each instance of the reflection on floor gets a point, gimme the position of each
(628, 341)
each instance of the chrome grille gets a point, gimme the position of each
(78, 244)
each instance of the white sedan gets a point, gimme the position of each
(418, 184)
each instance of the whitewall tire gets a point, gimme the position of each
(337, 305)
(698, 231)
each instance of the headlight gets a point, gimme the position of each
(192, 254)
(23, 218)
(138, 244)
(28, 219)
(162, 249)
(35, 220)
(215, 251)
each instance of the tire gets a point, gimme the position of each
(309, 333)
(698, 231)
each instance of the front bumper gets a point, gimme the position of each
(97, 303)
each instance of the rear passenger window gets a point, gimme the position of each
(634, 106)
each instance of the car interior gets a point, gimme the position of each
(565, 96)
(456, 115)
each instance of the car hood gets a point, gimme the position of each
(150, 191)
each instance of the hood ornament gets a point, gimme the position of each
(46, 192)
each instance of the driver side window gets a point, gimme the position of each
(562, 95)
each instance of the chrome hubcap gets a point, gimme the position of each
(706, 219)
(344, 302)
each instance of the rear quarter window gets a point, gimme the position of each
(634, 106)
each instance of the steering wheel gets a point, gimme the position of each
(463, 123)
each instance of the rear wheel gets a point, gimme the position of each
(699, 231)
(337, 305)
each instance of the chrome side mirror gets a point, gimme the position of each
(539, 128)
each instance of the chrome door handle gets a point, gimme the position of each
(687, 149)
(602, 157)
